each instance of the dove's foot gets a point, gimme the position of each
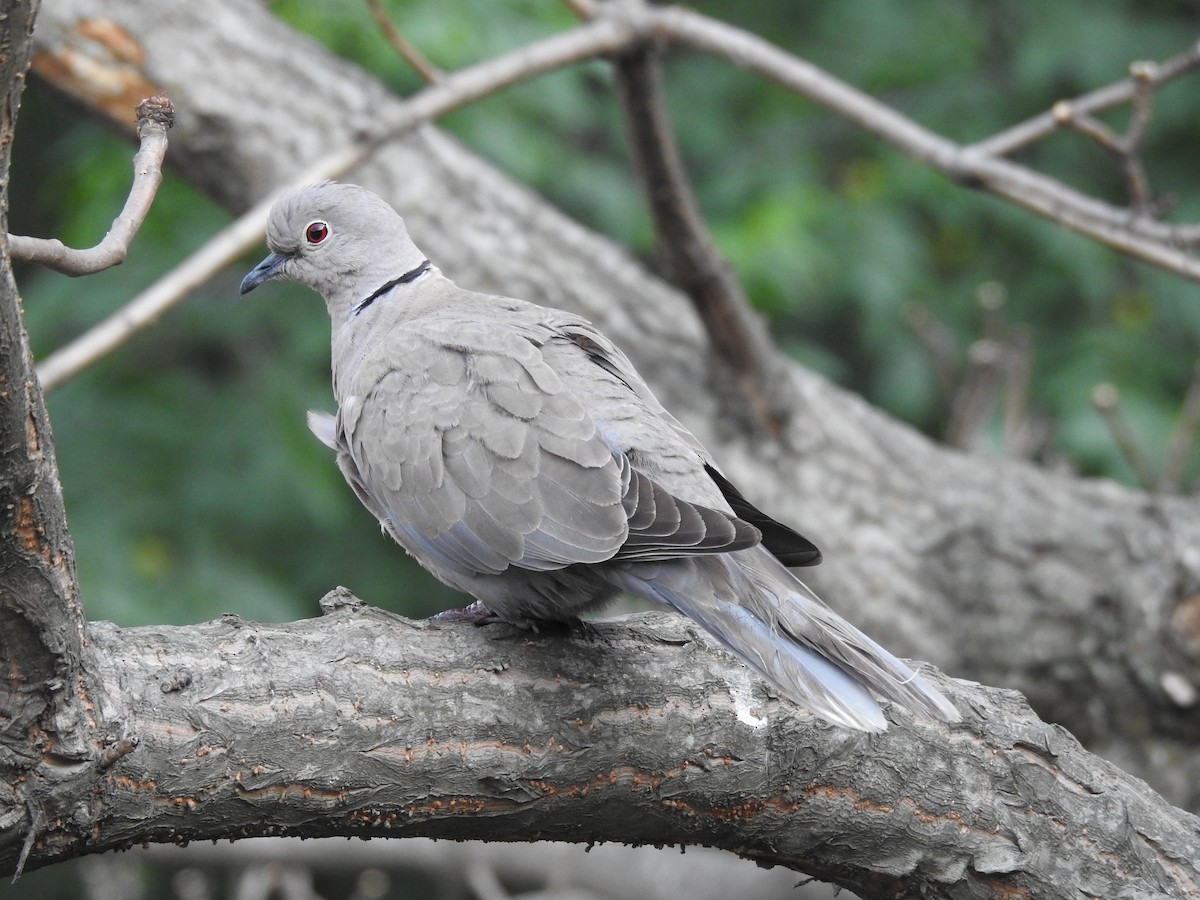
(478, 614)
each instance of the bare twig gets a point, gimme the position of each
(685, 244)
(1135, 133)
(1180, 444)
(1125, 147)
(154, 116)
(144, 309)
(408, 51)
(997, 369)
(1024, 435)
(1182, 441)
(976, 394)
(991, 298)
(1123, 91)
(1107, 401)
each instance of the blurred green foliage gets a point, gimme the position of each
(191, 482)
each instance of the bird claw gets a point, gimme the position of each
(476, 613)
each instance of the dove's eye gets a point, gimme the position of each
(316, 232)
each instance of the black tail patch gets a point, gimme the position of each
(786, 545)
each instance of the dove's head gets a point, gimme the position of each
(341, 240)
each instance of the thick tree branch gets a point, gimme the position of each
(1065, 588)
(365, 723)
(154, 116)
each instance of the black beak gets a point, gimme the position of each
(264, 271)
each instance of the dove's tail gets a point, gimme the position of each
(751, 603)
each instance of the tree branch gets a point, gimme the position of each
(409, 53)
(1182, 440)
(154, 116)
(739, 340)
(996, 570)
(1124, 91)
(365, 723)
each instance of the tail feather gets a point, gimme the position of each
(759, 610)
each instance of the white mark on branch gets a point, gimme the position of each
(748, 710)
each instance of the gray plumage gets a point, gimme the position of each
(514, 451)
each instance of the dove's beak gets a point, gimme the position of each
(264, 271)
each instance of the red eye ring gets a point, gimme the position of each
(315, 232)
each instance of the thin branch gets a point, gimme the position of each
(399, 728)
(1023, 435)
(1123, 229)
(1182, 441)
(154, 116)
(685, 244)
(991, 298)
(1107, 401)
(401, 45)
(1124, 147)
(976, 394)
(1135, 133)
(1123, 91)
(997, 366)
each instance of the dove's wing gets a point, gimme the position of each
(788, 546)
(476, 455)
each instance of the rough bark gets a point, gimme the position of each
(45, 687)
(365, 723)
(1083, 594)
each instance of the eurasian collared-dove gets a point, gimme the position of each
(516, 453)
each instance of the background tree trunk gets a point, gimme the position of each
(1082, 594)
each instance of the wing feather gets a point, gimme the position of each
(477, 456)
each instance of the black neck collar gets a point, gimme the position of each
(410, 275)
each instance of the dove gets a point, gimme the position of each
(515, 452)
